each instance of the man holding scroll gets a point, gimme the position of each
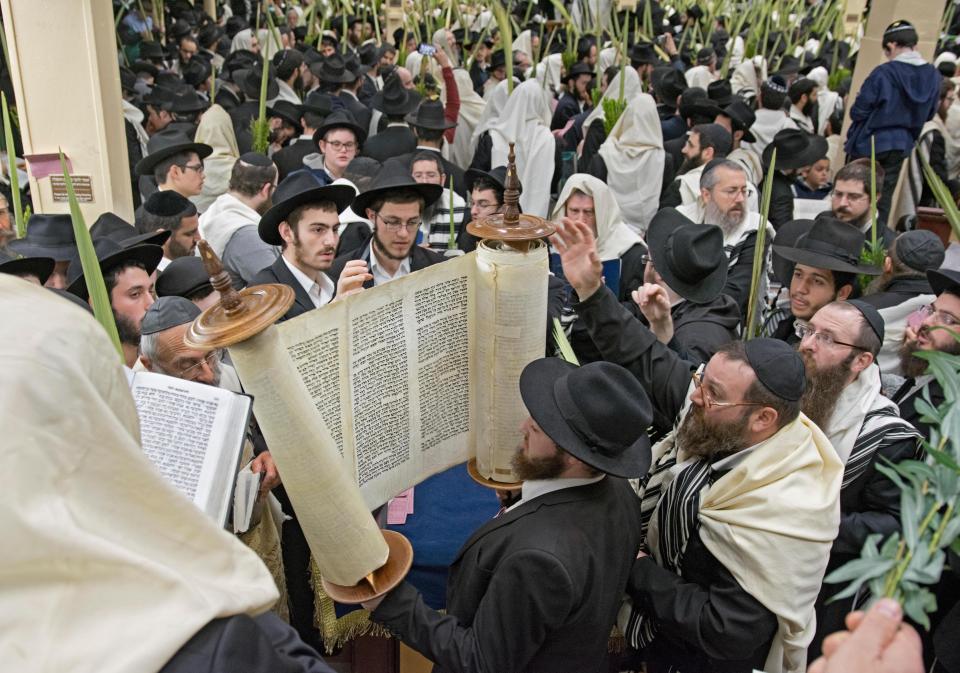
(538, 588)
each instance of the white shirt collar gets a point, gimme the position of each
(534, 488)
(381, 275)
(164, 262)
(320, 291)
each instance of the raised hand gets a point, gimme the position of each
(355, 273)
(575, 243)
(654, 303)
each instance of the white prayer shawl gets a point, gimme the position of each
(631, 87)
(607, 57)
(524, 42)
(803, 122)
(748, 76)
(736, 48)
(286, 93)
(549, 74)
(771, 522)
(496, 99)
(634, 156)
(856, 400)
(614, 237)
(766, 126)
(700, 75)
(525, 121)
(440, 42)
(98, 547)
(471, 112)
(242, 40)
(750, 161)
(216, 130)
(827, 101)
(134, 115)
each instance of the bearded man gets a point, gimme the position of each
(839, 346)
(724, 191)
(740, 507)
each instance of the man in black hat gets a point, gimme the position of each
(826, 263)
(304, 221)
(127, 275)
(37, 270)
(705, 142)
(174, 162)
(525, 592)
(576, 96)
(338, 140)
(345, 77)
(803, 101)
(894, 102)
(731, 558)
(668, 85)
(248, 80)
(796, 149)
(49, 236)
(682, 296)
(395, 103)
(903, 288)
(496, 73)
(168, 211)
(644, 59)
(737, 118)
(429, 124)
(314, 111)
(839, 346)
(284, 119)
(229, 225)
(395, 204)
(187, 277)
(486, 194)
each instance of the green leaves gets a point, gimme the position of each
(20, 221)
(563, 344)
(759, 253)
(613, 109)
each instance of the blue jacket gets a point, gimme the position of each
(894, 103)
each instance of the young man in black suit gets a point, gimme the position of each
(538, 587)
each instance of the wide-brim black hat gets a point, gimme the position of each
(111, 254)
(334, 70)
(828, 244)
(249, 82)
(145, 66)
(41, 267)
(795, 149)
(787, 236)
(576, 70)
(340, 119)
(429, 115)
(497, 175)
(287, 111)
(394, 175)
(112, 226)
(393, 99)
(598, 413)
(688, 256)
(166, 144)
(720, 92)
(47, 236)
(743, 118)
(296, 190)
(318, 103)
(944, 280)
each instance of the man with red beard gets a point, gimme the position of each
(740, 506)
(941, 321)
(839, 346)
(305, 222)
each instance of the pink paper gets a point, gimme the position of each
(399, 508)
(43, 165)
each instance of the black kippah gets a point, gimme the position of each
(778, 367)
(256, 159)
(871, 315)
(166, 204)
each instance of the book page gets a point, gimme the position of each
(511, 327)
(193, 433)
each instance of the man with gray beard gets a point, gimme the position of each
(839, 346)
(723, 202)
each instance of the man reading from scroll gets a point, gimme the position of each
(538, 588)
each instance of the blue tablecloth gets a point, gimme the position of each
(447, 508)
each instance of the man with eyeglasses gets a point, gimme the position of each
(933, 329)
(338, 139)
(394, 203)
(173, 162)
(739, 508)
(435, 231)
(850, 198)
(839, 347)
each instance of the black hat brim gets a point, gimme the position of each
(269, 227)
(702, 292)
(153, 238)
(274, 112)
(787, 237)
(60, 253)
(146, 165)
(819, 260)
(249, 82)
(148, 255)
(943, 280)
(322, 131)
(536, 390)
(413, 120)
(378, 103)
(41, 267)
(430, 194)
(474, 174)
(816, 150)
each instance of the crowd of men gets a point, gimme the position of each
(753, 464)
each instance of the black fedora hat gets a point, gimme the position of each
(183, 277)
(249, 81)
(145, 66)
(47, 236)
(669, 84)
(160, 97)
(151, 51)
(340, 119)
(498, 60)
(720, 92)
(944, 280)
(743, 118)
(167, 143)
(41, 267)
(577, 70)
(598, 413)
(114, 227)
(795, 149)
(287, 111)
(111, 254)
(828, 244)
(789, 65)
(429, 115)
(296, 190)
(334, 70)
(643, 53)
(318, 103)
(394, 175)
(689, 256)
(497, 175)
(393, 99)
(188, 101)
(787, 236)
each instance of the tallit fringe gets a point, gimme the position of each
(617, 642)
(335, 632)
(264, 540)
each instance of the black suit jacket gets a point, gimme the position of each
(567, 107)
(535, 590)
(420, 258)
(390, 142)
(279, 273)
(359, 111)
(290, 158)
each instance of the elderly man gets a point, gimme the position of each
(705, 143)
(839, 346)
(526, 592)
(739, 508)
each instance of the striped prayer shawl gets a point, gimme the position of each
(881, 427)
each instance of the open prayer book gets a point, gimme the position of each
(194, 434)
